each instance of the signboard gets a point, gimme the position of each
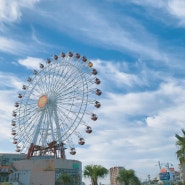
(166, 183)
(172, 169)
(164, 176)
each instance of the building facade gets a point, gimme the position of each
(6, 160)
(45, 171)
(15, 169)
(114, 172)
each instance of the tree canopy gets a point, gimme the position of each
(128, 177)
(64, 179)
(94, 172)
(181, 144)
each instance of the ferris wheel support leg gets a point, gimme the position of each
(63, 155)
(62, 151)
(30, 151)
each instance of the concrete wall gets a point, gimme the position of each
(42, 178)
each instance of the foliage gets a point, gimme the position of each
(64, 179)
(94, 172)
(6, 183)
(128, 177)
(181, 144)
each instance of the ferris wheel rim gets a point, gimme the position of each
(46, 102)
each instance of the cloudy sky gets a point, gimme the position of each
(137, 48)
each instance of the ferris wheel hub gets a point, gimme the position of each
(42, 101)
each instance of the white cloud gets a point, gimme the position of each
(9, 85)
(118, 140)
(9, 45)
(10, 10)
(102, 29)
(31, 62)
(176, 8)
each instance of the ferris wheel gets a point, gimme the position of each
(55, 105)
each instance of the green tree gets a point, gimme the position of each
(64, 179)
(181, 144)
(128, 177)
(6, 183)
(94, 172)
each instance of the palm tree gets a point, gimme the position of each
(181, 144)
(94, 172)
(64, 179)
(128, 177)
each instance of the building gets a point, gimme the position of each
(44, 171)
(114, 172)
(6, 160)
(14, 168)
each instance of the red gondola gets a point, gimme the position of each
(94, 72)
(55, 57)
(81, 141)
(97, 104)
(41, 66)
(97, 81)
(94, 117)
(29, 79)
(84, 59)
(16, 104)
(48, 61)
(88, 130)
(98, 92)
(73, 151)
(19, 95)
(35, 72)
(70, 54)
(77, 55)
(63, 55)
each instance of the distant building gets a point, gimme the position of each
(169, 175)
(6, 160)
(114, 172)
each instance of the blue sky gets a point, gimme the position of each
(138, 49)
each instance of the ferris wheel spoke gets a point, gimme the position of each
(71, 80)
(68, 108)
(64, 120)
(56, 77)
(33, 84)
(70, 87)
(27, 115)
(72, 71)
(59, 76)
(68, 118)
